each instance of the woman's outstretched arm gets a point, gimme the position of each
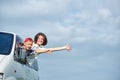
(66, 47)
(49, 50)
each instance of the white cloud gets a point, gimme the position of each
(83, 15)
(105, 12)
(25, 9)
(35, 7)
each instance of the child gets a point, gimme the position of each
(27, 55)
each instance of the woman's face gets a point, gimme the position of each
(40, 40)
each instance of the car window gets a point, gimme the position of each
(18, 55)
(6, 42)
(18, 51)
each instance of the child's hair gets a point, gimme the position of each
(28, 39)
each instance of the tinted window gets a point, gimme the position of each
(6, 41)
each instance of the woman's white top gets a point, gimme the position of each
(35, 46)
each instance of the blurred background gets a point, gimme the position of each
(90, 27)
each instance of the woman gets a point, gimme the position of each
(40, 39)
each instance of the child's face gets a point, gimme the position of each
(28, 45)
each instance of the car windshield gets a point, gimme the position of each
(6, 41)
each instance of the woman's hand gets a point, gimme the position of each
(67, 47)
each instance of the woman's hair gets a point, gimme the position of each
(44, 38)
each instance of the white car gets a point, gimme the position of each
(10, 67)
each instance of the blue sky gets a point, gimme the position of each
(91, 27)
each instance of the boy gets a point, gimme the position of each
(27, 55)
